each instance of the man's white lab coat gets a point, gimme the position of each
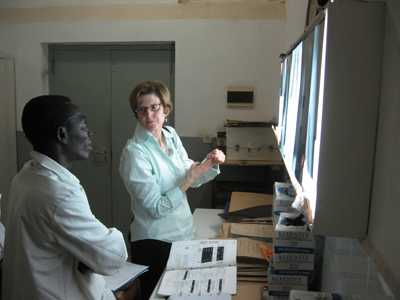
(50, 230)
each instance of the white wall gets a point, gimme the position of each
(210, 55)
(296, 20)
(383, 232)
(8, 155)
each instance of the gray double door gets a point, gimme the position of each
(99, 80)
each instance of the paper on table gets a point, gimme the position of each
(205, 281)
(242, 200)
(202, 254)
(257, 272)
(255, 230)
(204, 297)
(200, 267)
(251, 248)
(260, 214)
(253, 278)
(124, 276)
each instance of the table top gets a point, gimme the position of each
(207, 223)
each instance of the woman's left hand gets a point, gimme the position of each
(216, 156)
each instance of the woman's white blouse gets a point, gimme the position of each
(152, 177)
(50, 229)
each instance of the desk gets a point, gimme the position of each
(207, 224)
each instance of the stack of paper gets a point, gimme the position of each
(200, 267)
(209, 297)
(252, 259)
(263, 231)
(253, 234)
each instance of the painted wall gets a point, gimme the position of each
(296, 11)
(8, 155)
(210, 55)
(383, 225)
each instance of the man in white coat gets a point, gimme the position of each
(55, 248)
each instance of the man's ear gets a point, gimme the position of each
(62, 134)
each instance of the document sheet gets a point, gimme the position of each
(206, 281)
(211, 297)
(200, 267)
(202, 254)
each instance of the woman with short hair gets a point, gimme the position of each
(157, 172)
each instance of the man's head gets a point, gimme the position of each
(53, 120)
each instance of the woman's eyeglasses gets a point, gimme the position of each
(143, 109)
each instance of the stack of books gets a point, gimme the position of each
(293, 257)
